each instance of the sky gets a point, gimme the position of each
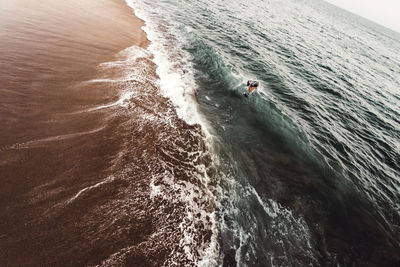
(384, 12)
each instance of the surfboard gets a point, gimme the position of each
(247, 94)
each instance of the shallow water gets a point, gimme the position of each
(96, 168)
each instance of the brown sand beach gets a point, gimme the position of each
(87, 178)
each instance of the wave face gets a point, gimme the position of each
(309, 165)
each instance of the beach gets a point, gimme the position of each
(96, 168)
(125, 138)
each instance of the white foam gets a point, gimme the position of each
(42, 141)
(283, 224)
(129, 54)
(130, 71)
(178, 85)
(127, 79)
(123, 101)
(105, 181)
(272, 212)
(154, 190)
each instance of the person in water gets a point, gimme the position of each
(252, 86)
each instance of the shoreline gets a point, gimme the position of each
(97, 166)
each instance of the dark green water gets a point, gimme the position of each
(308, 165)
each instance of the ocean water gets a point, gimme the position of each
(308, 167)
(113, 153)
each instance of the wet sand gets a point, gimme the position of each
(78, 168)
